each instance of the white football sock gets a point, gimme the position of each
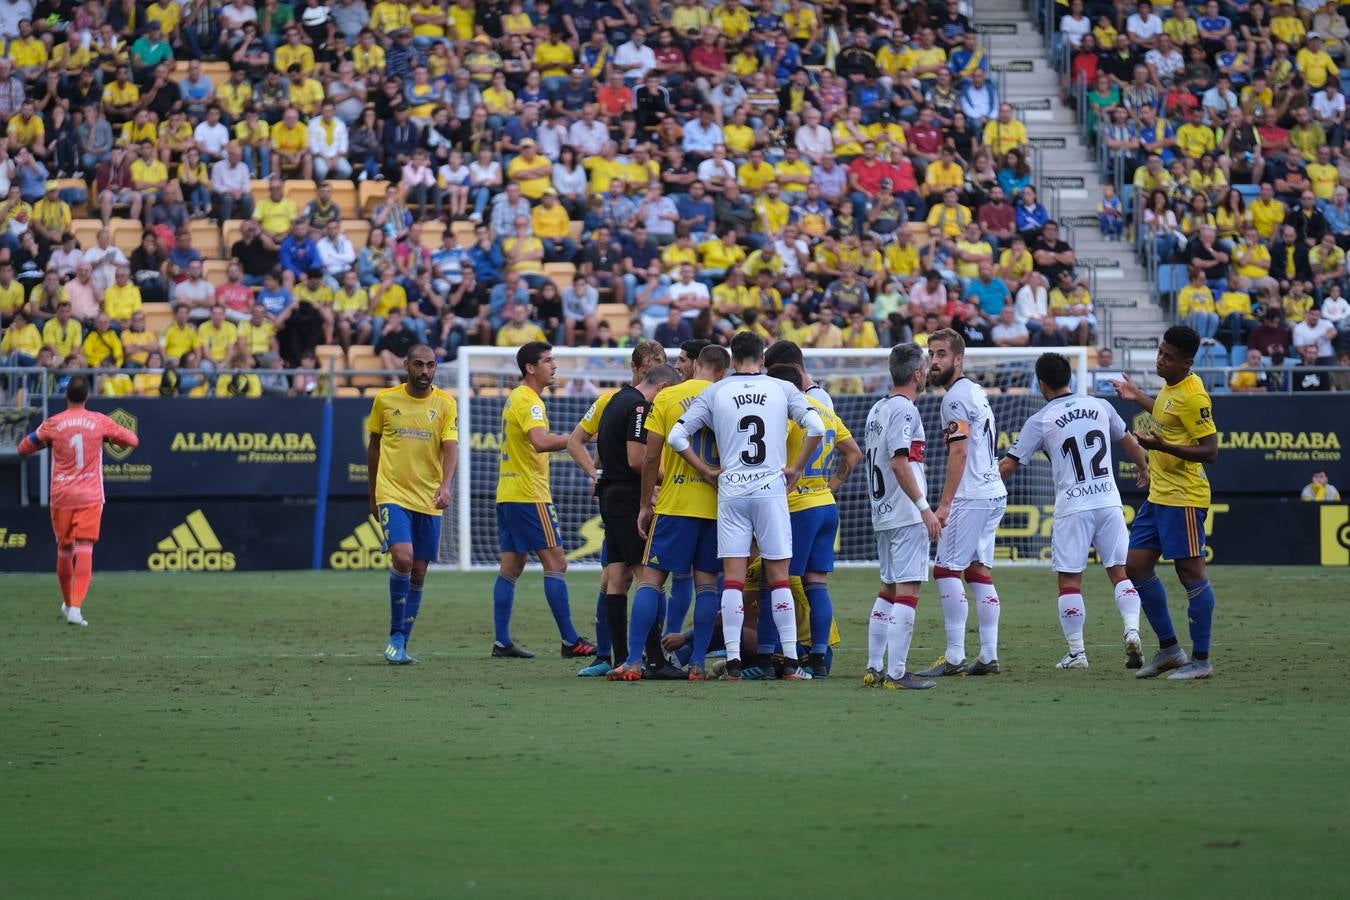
(900, 635)
(1072, 618)
(733, 618)
(785, 618)
(877, 627)
(954, 610)
(987, 608)
(1127, 601)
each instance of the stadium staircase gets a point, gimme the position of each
(1068, 179)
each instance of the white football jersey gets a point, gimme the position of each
(748, 414)
(894, 428)
(966, 416)
(1076, 433)
(817, 393)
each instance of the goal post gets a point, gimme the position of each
(855, 379)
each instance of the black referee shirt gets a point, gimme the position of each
(625, 420)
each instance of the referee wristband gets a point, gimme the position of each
(922, 504)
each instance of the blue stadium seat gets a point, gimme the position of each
(1171, 278)
(1237, 356)
(1249, 192)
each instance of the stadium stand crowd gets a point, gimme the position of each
(213, 186)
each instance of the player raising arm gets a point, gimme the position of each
(748, 413)
(681, 524)
(645, 355)
(1172, 520)
(904, 524)
(411, 455)
(526, 518)
(76, 436)
(973, 500)
(1075, 432)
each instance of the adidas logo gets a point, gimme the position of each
(360, 550)
(191, 547)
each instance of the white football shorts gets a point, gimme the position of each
(763, 520)
(1074, 534)
(968, 536)
(903, 553)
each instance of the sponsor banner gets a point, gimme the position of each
(1268, 445)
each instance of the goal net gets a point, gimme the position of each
(855, 379)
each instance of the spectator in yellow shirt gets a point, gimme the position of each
(290, 147)
(122, 298)
(1267, 212)
(103, 345)
(553, 227)
(1315, 64)
(138, 341)
(518, 330)
(26, 129)
(62, 333)
(180, 337)
(22, 342)
(1195, 138)
(276, 213)
(944, 174)
(217, 336)
(295, 53)
(1005, 133)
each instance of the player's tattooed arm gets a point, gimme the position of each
(850, 454)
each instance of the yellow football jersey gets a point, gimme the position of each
(1184, 415)
(683, 490)
(813, 488)
(412, 431)
(522, 476)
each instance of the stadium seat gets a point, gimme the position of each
(344, 195)
(463, 232)
(433, 235)
(1249, 192)
(206, 238)
(369, 194)
(126, 234)
(158, 316)
(617, 315)
(363, 357)
(214, 270)
(575, 228)
(563, 270)
(1238, 355)
(231, 230)
(258, 188)
(76, 184)
(301, 190)
(347, 391)
(86, 231)
(326, 354)
(1171, 278)
(218, 70)
(358, 231)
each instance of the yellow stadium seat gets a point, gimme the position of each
(86, 231)
(300, 190)
(258, 188)
(231, 230)
(158, 316)
(616, 314)
(363, 357)
(205, 238)
(463, 233)
(345, 391)
(575, 229)
(214, 270)
(331, 354)
(126, 234)
(369, 194)
(564, 270)
(358, 231)
(217, 70)
(433, 234)
(344, 195)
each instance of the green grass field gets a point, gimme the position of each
(240, 736)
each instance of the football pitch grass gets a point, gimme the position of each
(240, 736)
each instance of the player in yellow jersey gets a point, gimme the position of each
(646, 356)
(411, 455)
(680, 524)
(1171, 521)
(815, 521)
(526, 519)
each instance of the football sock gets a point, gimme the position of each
(656, 654)
(900, 634)
(555, 592)
(733, 616)
(503, 598)
(681, 598)
(1072, 617)
(954, 610)
(987, 609)
(1127, 601)
(765, 628)
(399, 585)
(877, 627)
(65, 571)
(785, 617)
(410, 609)
(84, 573)
(1153, 599)
(661, 610)
(616, 611)
(822, 614)
(1200, 613)
(706, 606)
(646, 605)
(602, 647)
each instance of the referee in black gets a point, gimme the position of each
(621, 442)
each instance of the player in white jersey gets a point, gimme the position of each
(905, 526)
(748, 413)
(1076, 432)
(972, 504)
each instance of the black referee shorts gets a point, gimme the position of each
(619, 505)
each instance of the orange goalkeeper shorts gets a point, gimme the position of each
(78, 525)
